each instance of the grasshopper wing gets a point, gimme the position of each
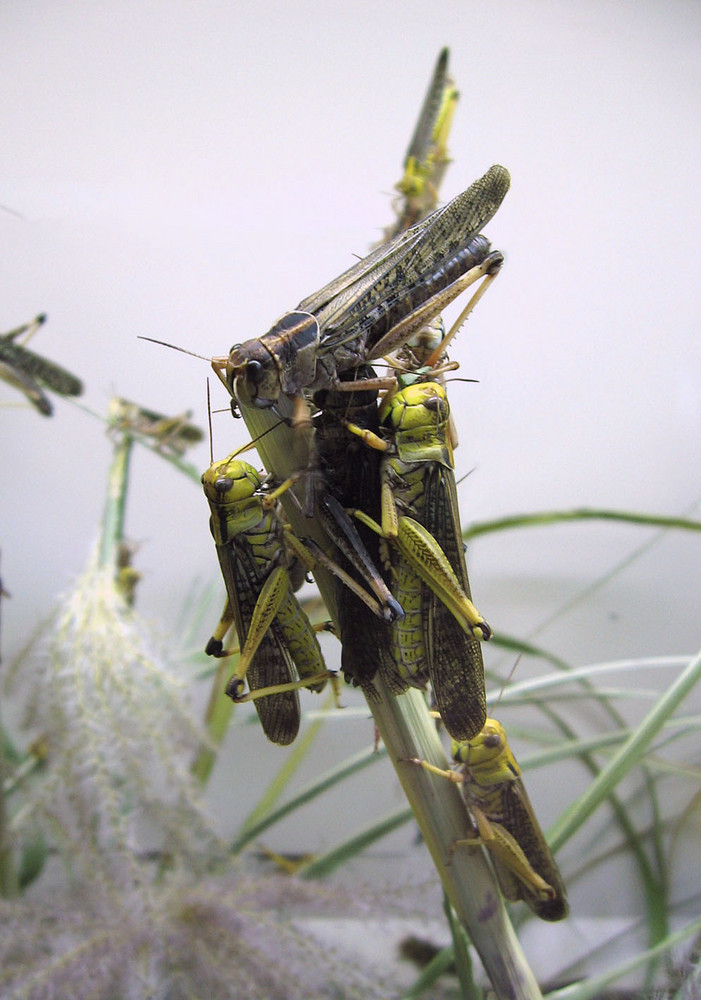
(279, 713)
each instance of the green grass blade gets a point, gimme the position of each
(577, 514)
(332, 860)
(538, 685)
(630, 754)
(461, 955)
(253, 827)
(595, 986)
(439, 964)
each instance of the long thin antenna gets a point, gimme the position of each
(209, 420)
(174, 347)
(506, 681)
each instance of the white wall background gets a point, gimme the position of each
(190, 171)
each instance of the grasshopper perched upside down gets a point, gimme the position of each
(506, 823)
(349, 474)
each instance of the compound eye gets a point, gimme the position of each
(492, 740)
(253, 376)
(434, 404)
(223, 484)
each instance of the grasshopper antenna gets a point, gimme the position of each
(503, 687)
(254, 441)
(174, 347)
(463, 478)
(209, 421)
(12, 211)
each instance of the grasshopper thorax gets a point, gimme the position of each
(281, 361)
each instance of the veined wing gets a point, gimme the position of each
(518, 817)
(279, 713)
(396, 277)
(455, 656)
(426, 123)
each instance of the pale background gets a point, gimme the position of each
(191, 171)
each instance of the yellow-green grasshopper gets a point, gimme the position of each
(30, 372)
(506, 823)
(439, 638)
(275, 635)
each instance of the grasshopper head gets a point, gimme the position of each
(252, 373)
(487, 755)
(418, 407)
(418, 417)
(281, 361)
(230, 481)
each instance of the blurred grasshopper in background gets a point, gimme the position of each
(439, 636)
(274, 633)
(30, 372)
(427, 156)
(171, 435)
(127, 577)
(505, 820)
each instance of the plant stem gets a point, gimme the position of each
(112, 526)
(216, 720)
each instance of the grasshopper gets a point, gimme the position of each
(439, 636)
(374, 307)
(30, 372)
(172, 435)
(274, 633)
(427, 156)
(505, 820)
(349, 475)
